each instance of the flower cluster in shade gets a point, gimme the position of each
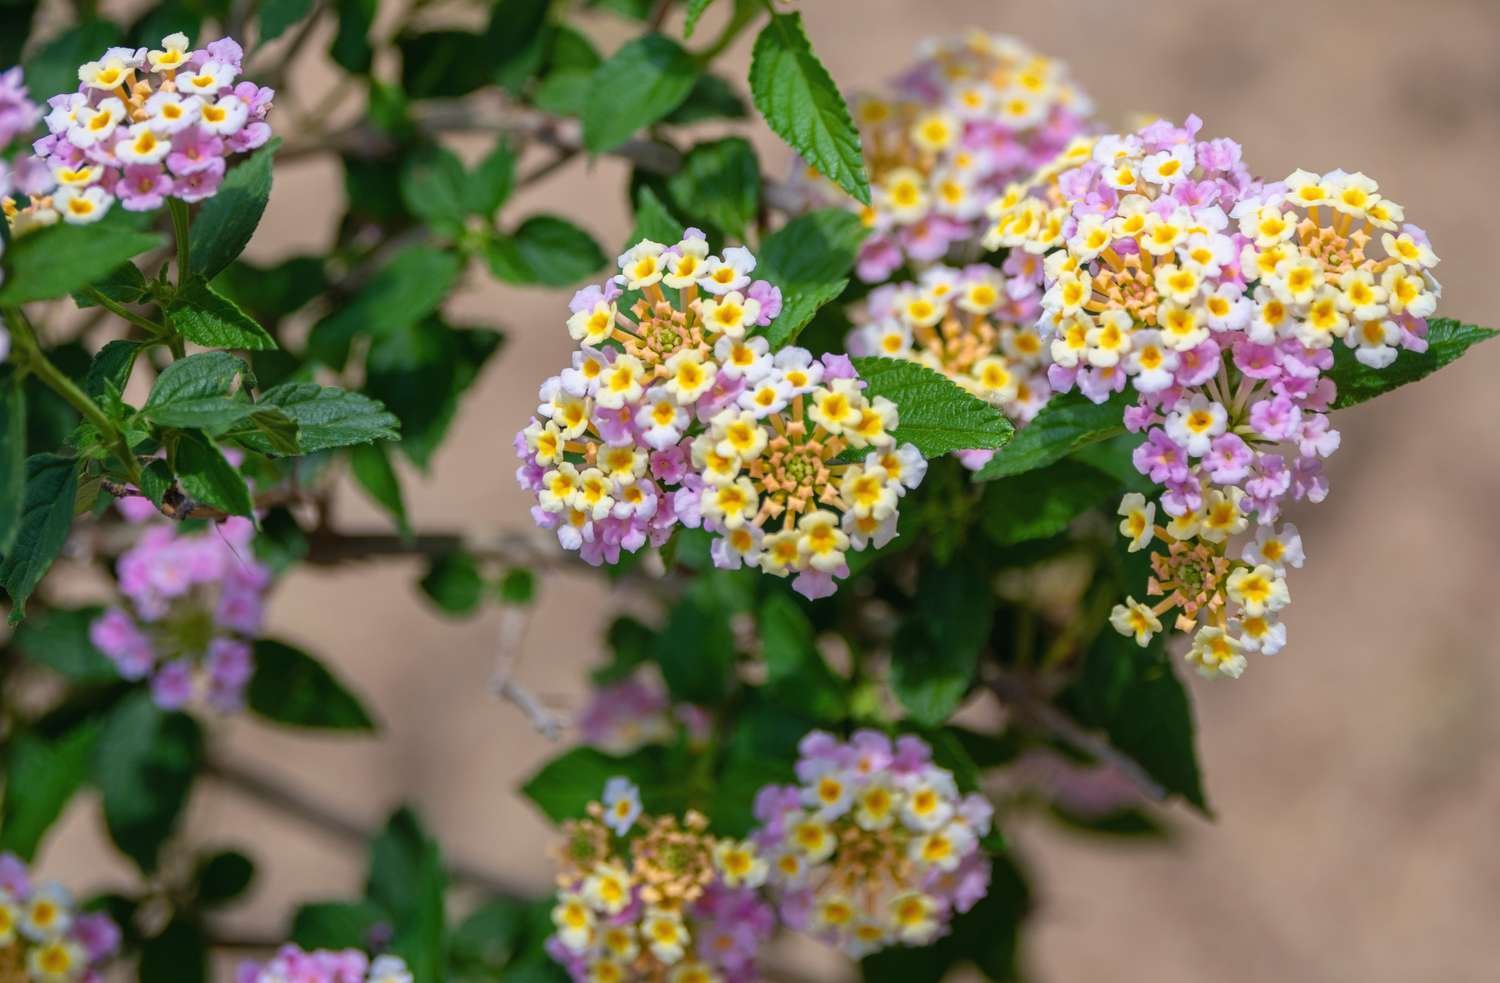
(977, 326)
(875, 846)
(192, 604)
(44, 938)
(143, 126)
(678, 414)
(656, 898)
(631, 713)
(18, 116)
(975, 113)
(291, 963)
(1218, 302)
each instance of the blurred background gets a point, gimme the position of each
(1353, 776)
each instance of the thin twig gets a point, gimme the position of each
(258, 785)
(514, 619)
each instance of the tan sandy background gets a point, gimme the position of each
(1354, 776)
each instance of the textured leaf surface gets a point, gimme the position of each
(1064, 425)
(809, 258)
(223, 226)
(327, 417)
(936, 415)
(1447, 339)
(642, 82)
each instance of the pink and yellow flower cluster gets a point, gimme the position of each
(44, 938)
(324, 966)
(678, 413)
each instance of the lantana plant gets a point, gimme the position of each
(922, 474)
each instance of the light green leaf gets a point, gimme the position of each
(433, 187)
(204, 391)
(809, 258)
(208, 319)
(328, 417)
(208, 477)
(46, 517)
(1447, 339)
(291, 687)
(800, 101)
(719, 180)
(493, 179)
(935, 413)
(223, 226)
(642, 82)
(1067, 423)
(695, 9)
(63, 259)
(652, 220)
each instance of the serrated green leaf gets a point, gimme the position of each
(144, 766)
(809, 259)
(124, 284)
(1067, 423)
(800, 101)
(12, 455)
(205, 318)
(111, 367)
(291, 687)
(205, 391)
(1447, 339)
(46, 516)
(406, 290)
(207, 476)
(40, 779)
(720, 181)
(642, 82)
(936, 414)
(62, 259)
(695, 9)
(327, 417)
(223, 226)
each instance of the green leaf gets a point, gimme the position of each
(278, 15)
(936, 651)
(518, 586)
(1447, 339)
(351, 46)
(547, 250)
(695, 9)
(443, 64)
(652, 219)
(178, 955)
(645, 80)
(695, 650)
(201, 391)
(46, 517)
(453, 583)
(796, 674)
(291, 687)
(515, 41)
(800, 101)
(328, 417)
(124, 284)
(433, 187)
(809, 258)
(492, 181)
(711, 98)
(207, 476)
(1067, 423)
(421, 372)
(406, 290)
(372, 469)
(1041, 503)
(1132, 694)
(937, 415)
(58, 638)
(12, 455)
(337, 924)
(408, 880)
(224, 876)
(223, 226)
(719, 180)
(111, 367)
(205, 318)
(144, 767)
(40, 779)
(491, 935)
(54, 68)
(61, 259)
(565, 786)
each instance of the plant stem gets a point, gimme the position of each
(119, 310)
(179, 210)
(31, 356)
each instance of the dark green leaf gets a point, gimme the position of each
(547, 250)
(565, 786)
(1041, 503)
(720, 181)
(46, 517)
(937, 647)
(406, 290)
(351, 46)
(12, 455)
(490, 185)
(178, 955)
(278, 15)
(935, 413)
(443, 64)
(204, 390)
(432, 185)
(224, 876)
(796, 674)
(800, 101)
(225, 223)
(124, 284)
(695, 650)
(453, 583)
(62, 259)
(337, 924)
(420, 373)
(408, 880)
(58, 638)
(291, 687)
(1068, 422)
(515, 41)
(208, 477)
(711, 98)
(111, 367)
(205, 318)
(144, 767)
(518, 586)
(642, 82)
(491, 935)
(40, 779)
(1447, 339)
(328, 417)
(808, 258)
(372, 469)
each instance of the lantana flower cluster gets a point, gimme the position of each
(1217, 300)
(194, 604)
(875, 846)
(656, 898)
(973, 326)
(678, 414)
(143, 126)
(18, 115)
(324, 966)
(631, 713)
(975, 113)
(44, 938)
